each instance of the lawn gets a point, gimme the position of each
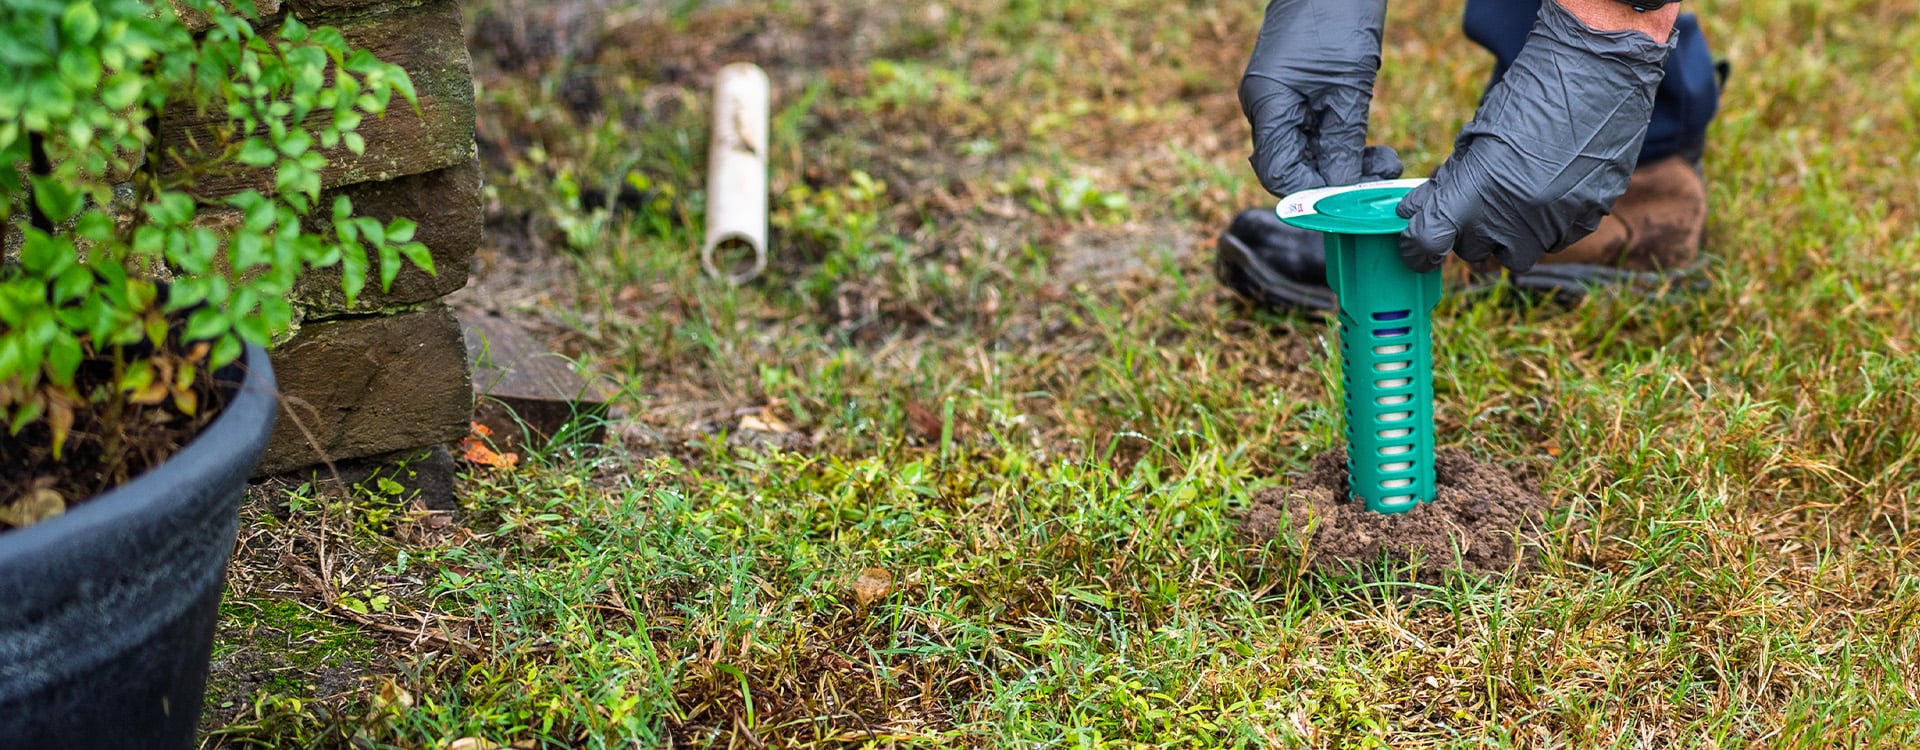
(962, 468)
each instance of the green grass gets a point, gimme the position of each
(1022, 414)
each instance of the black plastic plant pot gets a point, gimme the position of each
(107, 612)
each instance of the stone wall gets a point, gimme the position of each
(388, 374)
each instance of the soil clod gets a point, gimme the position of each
(1482, 521)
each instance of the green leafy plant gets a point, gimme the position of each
(133, 269)
(845, 223)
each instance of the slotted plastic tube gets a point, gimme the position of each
(1386, 346)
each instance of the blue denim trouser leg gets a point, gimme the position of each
(1687, 98)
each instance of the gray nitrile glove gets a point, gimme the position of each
(1548, 152)
(1306, 93)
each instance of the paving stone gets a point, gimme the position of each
(425, 474)
(427, 41)
(197, 22)
(360, 387)
(333, 10)
(525, 393)
(445, 203)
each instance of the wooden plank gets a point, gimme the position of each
(525, 393)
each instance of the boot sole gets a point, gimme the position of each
(1569, 284)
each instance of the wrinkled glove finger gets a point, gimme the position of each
(1431, 230)
(1341, 138)
(1478, 245)
(1283, 164)
(1380, 163)
(1583, 226)
(1587, 225)
(1280, 156)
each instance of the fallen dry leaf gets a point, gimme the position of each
(391, 695)
(923, 422)
(38, 505)
(480, 454)
(1303, 724)
(871, 584)
(474, 449)
(763, 421)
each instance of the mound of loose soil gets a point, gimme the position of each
(1481, 521)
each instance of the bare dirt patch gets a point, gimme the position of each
(1482, 521)
(1128, 254)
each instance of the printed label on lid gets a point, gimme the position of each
(1366, 208)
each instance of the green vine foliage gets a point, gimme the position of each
(97, 209)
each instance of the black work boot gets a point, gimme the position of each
(1273, 264)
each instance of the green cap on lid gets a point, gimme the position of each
(1367, 208)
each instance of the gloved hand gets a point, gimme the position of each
(1306, 93)
(1549, 151)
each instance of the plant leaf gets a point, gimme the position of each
(256, 153)
(187, 401)
(38, 505)
(60, 423)
(63, 360)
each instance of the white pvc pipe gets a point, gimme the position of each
(737, 169)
